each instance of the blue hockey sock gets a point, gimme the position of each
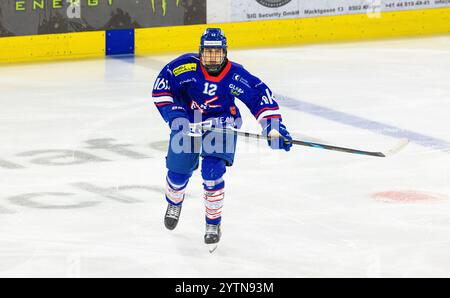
(175, 187)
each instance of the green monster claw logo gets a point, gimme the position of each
(164, 6)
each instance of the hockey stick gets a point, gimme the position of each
(392, 151)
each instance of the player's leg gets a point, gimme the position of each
(176, 184)
(180, 167)
(214, 165)
(213, 169)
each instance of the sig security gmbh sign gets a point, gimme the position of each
(255, 10)
(263, 9)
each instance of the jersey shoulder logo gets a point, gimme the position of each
(161, 84)
(184, 68)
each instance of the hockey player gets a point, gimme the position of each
(199, 87)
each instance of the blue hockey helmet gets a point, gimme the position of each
(214, 38)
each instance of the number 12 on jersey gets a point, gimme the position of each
(210, 89)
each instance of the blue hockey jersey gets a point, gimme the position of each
(185, 82)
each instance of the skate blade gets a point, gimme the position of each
(212, 247)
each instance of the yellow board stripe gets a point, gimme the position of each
(298, 31)
(240, 35)
(52, 47)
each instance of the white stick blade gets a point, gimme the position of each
(402, 144)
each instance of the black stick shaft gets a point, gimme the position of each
(297, 142)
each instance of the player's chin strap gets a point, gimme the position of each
(201, 127)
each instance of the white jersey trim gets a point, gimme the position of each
(163, 99)
(268, 113)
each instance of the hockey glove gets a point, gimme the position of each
(277, 134)
(178, 119)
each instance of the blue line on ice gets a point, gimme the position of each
(359, 122)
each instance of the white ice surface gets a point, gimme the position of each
(306, 213)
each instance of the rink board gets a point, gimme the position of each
(240, 35)
(299, 31)
(50, 47)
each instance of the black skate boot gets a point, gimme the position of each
(172, 216)
(212, 234)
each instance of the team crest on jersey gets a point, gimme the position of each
(233, 110)
(184, 68)
(206, 105)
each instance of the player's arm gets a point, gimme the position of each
(166, 100)
(262, 104)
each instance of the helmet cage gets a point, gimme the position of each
(209, 60)
(213, 38)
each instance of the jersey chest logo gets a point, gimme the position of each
(235, 90)
(208, 104)
(184, 68)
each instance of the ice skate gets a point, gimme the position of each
(212, 236)
(172, 216)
